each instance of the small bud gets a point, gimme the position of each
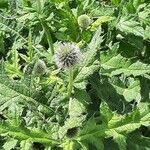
(40, 67)
(67, 55)
(72, 132)
(119, 37)
(84, 21)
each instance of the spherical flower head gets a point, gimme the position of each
(40, 67)
(84, 21)
(67, 55)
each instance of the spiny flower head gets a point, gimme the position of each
(40, 67)
(67, 55)
(84, 21)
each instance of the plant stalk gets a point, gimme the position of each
(30, 50)
(70, 85)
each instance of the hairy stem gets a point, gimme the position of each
(30, 50)
(70, 85)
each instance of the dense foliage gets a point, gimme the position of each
(52, 99)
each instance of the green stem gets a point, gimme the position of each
(30, 50)
(70, 85)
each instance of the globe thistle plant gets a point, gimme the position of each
(40, 68)
(84, 21)
(67, 55)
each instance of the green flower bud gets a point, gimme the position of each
(40, 67)
(72, 132)
(84, 21)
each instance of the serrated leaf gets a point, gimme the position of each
(97, 143)
(116, 64)
(91, 134)
(89, 65)
(22, 133)
(132, 92)
(91, 129)
(81, 85)
(116, 2)
(82, 96)
(25, 145)
(76, 108)
(124, 124)
(145, 15)
(120, 140)
(147, 33)
(69, 145)
(14, 28)
(92, 48)
(130, 26)
(10, 144)
(86, 71)
(99, 21)
(106, 113)
(138, 142)
(13, 92)
(119, 126)
(76, 117)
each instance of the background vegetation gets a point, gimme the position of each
(109, 106)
